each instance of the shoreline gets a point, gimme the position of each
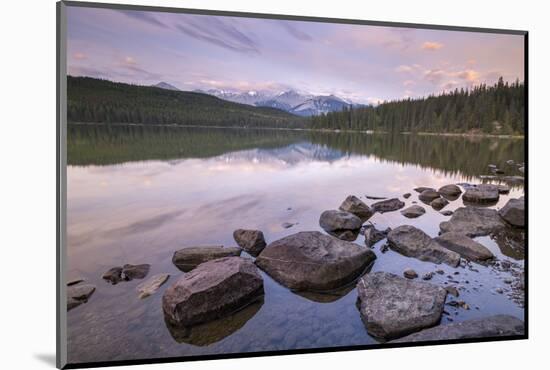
(368, 132)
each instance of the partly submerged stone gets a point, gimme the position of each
(152, 284)
(187, 259)
(449, 190)
(373, 235)
(252, 241)
(341, 224)
(354, 205)
(483, 193)
(412, 242)
(420, 189)
(78, 294)
(310, 260)
(465, 246)
(428, 195)
(212, 290)
(130, 272)
(392, 306)
(388, 205)
(485, 327)
(473, 221)
(413, 211)
(514, 212)
(439, 203)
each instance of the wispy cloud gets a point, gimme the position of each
(432, 45)
(144, 17)
(295, 31)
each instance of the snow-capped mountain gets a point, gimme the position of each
(292, 101)
(166, 86)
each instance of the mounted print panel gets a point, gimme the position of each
(237, 184)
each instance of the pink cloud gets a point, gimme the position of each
(432, 45)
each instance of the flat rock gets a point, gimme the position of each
(343, 225)
(212, 290)
(388, 205)
(428, 195)
(413, 211)
(485, 327)
(439, 203)
(310, 260)
(78, 294)
(151, 285)
(514, 212)
(483, 193)
(412, 242)
(187, 259)
(75, 281)
(354, 205)
(463, 245)
(473, 221)
(392, 306)
(420, 189)
(252, 241)
(450, 190)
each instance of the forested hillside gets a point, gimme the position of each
(497, 109)
(102, 101)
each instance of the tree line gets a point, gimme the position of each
(496, 109)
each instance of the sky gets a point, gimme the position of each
(366, 64)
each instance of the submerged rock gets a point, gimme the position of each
(514, 212)
(473, 221)
(483, 193)
(388, 205)
(428, 195)
(413, 211)
(439, 203)
(485, 327)
(252, 241)
(354, 205)
(412, 242)
(310, 260)
(343, 225)
(463, 245)
(150, 286)
(187, 259)
(392, 306)
(212, 290)
(450, 190)
(130, 272)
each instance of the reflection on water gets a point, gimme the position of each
(137, 194)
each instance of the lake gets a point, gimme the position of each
(136, 194)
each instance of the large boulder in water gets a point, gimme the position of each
(392, 306)
(212, 290)
(412, 242)
(485, 327)
(388, 205)
(463, 245)
(483, 193)
(252, 241)
(187, 259)
(310, 260)
(428, 195)
(514, 212)
(343, 225)
(449, 190)
(354, 205)
(473, 221)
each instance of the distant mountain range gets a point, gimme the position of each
(292, 101)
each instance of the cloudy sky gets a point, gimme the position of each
(364, 63)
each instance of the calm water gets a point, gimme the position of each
(137, 194)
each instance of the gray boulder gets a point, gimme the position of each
(450, 190)
(310, 260)
(463, 245)
(187, 259)
(252, 241)
(514, 212)
(473, 221)
(388, 205)
(343, 225)
(211, 291)
(428, 195)
(392, 306)
(412, 242)
(413, 211)
(354, 205)
(439, 203)
(485, 327)
(483, 193)
(151, 285)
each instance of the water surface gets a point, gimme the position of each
(136, 194)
